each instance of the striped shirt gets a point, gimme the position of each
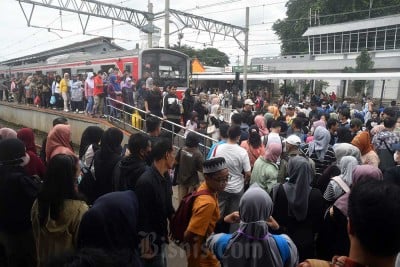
(320, 166)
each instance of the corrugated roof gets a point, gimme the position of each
(64, 49)
(354, 25)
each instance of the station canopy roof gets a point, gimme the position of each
(354, 25)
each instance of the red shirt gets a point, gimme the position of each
(98, 85)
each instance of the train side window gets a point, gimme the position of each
(83, 71)
(128, 67)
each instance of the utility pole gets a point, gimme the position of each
(166, 26)
(246, 50)
(150, 33)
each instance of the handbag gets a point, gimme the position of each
(36, 101)
(52, 100)
(211, 129)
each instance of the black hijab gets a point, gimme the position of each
(110, 224)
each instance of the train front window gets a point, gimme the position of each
(166, 67)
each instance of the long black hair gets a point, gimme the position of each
(90, 136)
(254, 137)
(58, 185)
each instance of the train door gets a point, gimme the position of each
(106, 68)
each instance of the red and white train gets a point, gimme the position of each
(164, 65)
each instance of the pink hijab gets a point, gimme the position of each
(58, 141)
(260, 123)
(273, 152)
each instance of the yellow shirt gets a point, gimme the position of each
(205, 214)
(57, 236)
(64, 86)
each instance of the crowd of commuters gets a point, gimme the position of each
(287, 184)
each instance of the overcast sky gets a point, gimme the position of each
(17, 39)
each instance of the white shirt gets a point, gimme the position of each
(237, 161)
(273, 138)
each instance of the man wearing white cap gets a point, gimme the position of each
(247, 112)
(291, 149)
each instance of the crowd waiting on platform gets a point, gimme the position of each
(287, 184)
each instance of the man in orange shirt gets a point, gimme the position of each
(98, 94)
(205, 214)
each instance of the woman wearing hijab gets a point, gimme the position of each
(106, 158)
(215, 118)
(336, 188)
(17, 194)
(110, 224)
(35, 165)
(298, 207)
(368, 155)
(253, 237)
(265, 170)
(320, 151)
(114, 92)
(253, 145)
(89, 86)
(58, 209)
(90, 140)
(59, 141)
(259, 121)
(274, 111)
(333, 237)
(7, 133)
(341, 150)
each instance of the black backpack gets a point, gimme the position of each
(386, 160)
(87, 185)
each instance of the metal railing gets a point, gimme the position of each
(131, 118)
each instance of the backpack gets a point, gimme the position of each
(180, 221)
(386, 160)
(87, 185)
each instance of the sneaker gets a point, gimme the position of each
(80, 112)
(66, 110)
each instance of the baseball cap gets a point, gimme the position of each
(293, 140)
(249, 102)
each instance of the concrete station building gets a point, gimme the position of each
(333, 47)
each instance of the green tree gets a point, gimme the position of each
(291, 29)
(207, 56)
(213, 57)
(364, 63)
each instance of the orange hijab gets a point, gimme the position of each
(58, 141)
(363, 142)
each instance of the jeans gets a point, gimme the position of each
(89, 106)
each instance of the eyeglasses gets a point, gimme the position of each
(223, 179)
